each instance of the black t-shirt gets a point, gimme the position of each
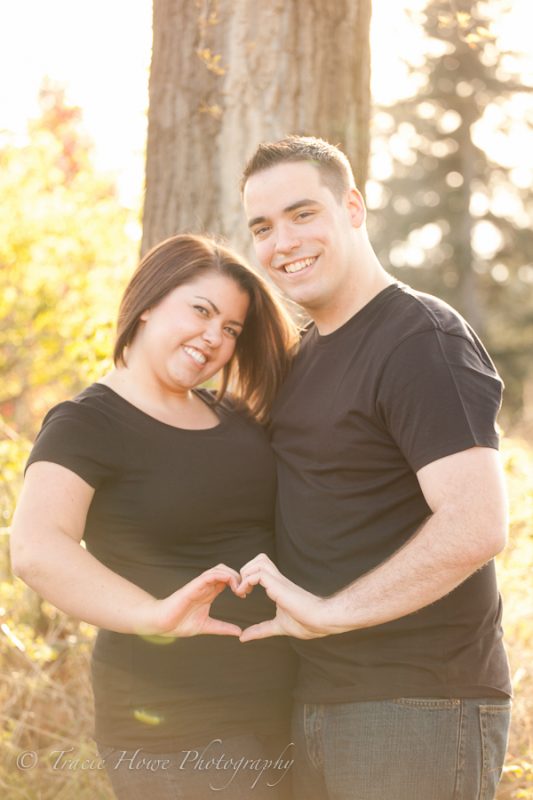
(170, 503)
(401, 384)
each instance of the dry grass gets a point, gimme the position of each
(46, 707)
(45, 696)
(515, 567)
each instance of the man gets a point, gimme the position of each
(391, 506)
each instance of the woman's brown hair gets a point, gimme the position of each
(269, 337)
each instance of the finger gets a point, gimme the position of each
(232, 579)
(262, 630)
(215, 589)
(260, 561)
(203, 589)
(222, 569)
(247, 584)
(216, 579)
(273, 583)
(218, 627)
(234, 582)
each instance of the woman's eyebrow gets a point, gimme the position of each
(207, 300)
(216, 310)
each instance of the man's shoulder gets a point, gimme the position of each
(398, 316)
(423, 312)
(420, 326)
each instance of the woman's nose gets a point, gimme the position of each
(212, 336)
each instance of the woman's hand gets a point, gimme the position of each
(298, 612)
(186, 611)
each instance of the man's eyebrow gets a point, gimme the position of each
(306, 201)
(215, 309)
(256, 221)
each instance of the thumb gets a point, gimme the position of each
(220, 628)
(262, 630)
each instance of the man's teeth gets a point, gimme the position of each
(297, 266)
(198, 357)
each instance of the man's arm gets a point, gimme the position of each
(467, 527)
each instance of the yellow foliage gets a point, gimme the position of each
(64, 256)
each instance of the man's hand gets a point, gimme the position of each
(298, 613)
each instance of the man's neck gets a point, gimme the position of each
(366, 285)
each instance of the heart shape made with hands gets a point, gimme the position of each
(261, 571)
(297, 611)
(187, 611)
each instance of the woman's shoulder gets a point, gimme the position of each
(91, 417)
(91, 404)
(79, 435)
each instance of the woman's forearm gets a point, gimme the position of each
(61, 571)
(46, 553)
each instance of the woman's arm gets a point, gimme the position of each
(46, 553)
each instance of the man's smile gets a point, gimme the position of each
(297, 266)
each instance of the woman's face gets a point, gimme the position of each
(192, 332)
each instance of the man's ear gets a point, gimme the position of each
(356, 207)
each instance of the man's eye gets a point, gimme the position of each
(258, 232)
(304, 214)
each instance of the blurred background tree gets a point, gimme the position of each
(452, 218)
(226, 75)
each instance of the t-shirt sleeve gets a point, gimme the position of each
(79, 438)
(439, 394)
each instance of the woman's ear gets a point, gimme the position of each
(144, 316)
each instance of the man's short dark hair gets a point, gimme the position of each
(333, 165)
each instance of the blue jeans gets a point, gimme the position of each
(237, 768)
(402, 749)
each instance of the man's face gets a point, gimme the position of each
(303, 235)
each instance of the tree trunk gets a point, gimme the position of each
(227, 74)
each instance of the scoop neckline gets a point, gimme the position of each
(145, 415)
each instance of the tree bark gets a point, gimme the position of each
(228, 74)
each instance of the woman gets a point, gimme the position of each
(172, 489)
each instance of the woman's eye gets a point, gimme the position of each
(202, 310)
(232, 332)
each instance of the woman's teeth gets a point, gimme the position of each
(196, 355)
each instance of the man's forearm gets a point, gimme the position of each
(430, 565)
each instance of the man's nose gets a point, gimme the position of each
(286, 239)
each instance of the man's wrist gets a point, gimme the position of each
(326, 620)
(337, 616)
